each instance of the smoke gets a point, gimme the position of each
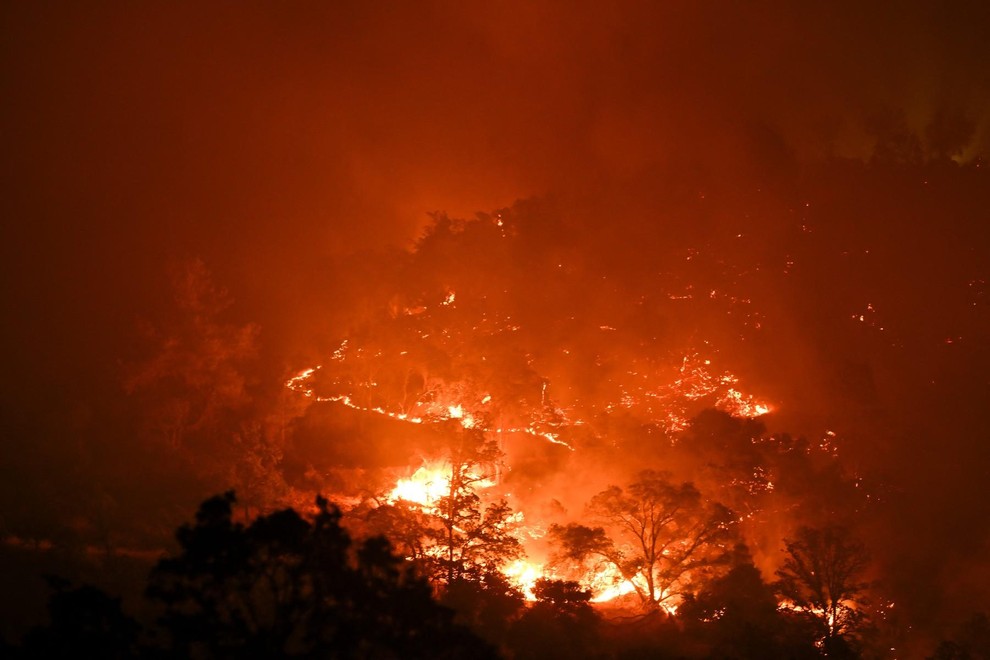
(266, 139)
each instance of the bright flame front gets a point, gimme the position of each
(424, 487)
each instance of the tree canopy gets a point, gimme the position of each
(285, 585)
(822, 575)
(659, 535)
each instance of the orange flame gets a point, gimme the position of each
(523, 575)
(424, 487)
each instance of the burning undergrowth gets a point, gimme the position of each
(501, 397)
(535, 394)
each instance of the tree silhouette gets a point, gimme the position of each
(561, 623)
(458, 540)
(288, 586)
(462, 542)
(84, 622)
(821, 576)
(469, 540)
(737, 615)
(659, 535)
(972, 642)
(487, 605)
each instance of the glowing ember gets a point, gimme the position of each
(740, 405)
(300, 383)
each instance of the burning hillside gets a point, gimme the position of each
(728, 318)
(492, 328)
(505, 333)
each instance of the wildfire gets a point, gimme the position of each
(300, 383)
(695, 380)
(457, 412)
(424, 487)
(741, 405)
(380, 374)
(429, 483)
(523, 575)
(605, 585)
(666, 404)
(608, 584)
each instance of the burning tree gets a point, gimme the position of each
(660, 537)
(462, 542)
(493, 315)
(470, 540)
(439, 519)
(821, 576)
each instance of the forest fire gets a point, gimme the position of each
(523, 575)
(609, 584)
(424, 487)
(429, 483)
(395, 386)
(696, 383)
(430, 361)
(518, 329)
(528, 416)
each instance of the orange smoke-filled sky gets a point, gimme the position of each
(268, 137)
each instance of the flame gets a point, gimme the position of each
(665, 394)
(429, 483)
(424, 487)
(523, 575)
(457, 412)
(667, 399)
(608, 584)
(741, 405)
(298, 383)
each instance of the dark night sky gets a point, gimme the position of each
(272, 138)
